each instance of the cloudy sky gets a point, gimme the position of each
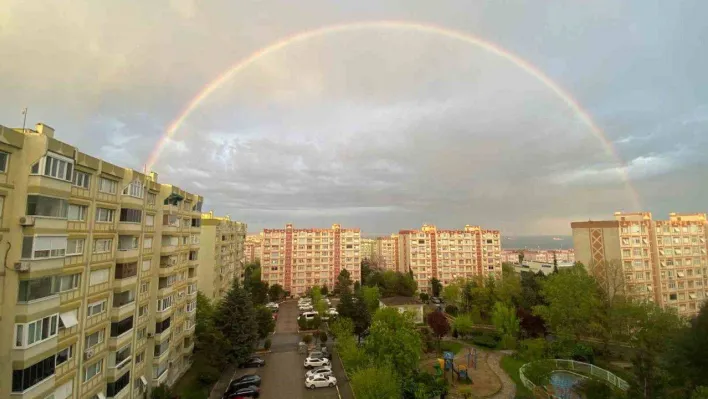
(378, 128)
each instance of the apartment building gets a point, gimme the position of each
(298, 259)
(252, 248)
(90, 306)
(368, 246)
(657, 260)
(386, 252)
(221, 254)
(541, 255)
(449, 254)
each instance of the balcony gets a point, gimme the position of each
(129, 227)
(188, 347)
(168, 248)
(126, 275)
(127, 255)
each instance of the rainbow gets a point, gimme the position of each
(492, 48)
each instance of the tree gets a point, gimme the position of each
(376, 382)
(342, 327)
(264, 318)
(345, 307)
(509, 288)
(463, 325)
(357, 286)
(504, 319)
(276, 292)
(371, 298)
(161, 392)
(324, 290)
(555, 263)
(236, 319)
(573, 303)
(439, 324)
(344, 282)
(210, 344)
(521, 256)
(693, 344)
(394, 340)
(452, 293)
(436, 286)
(361, 317)
(367, 268)
(531, 290)
(424, 297)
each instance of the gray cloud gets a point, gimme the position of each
(378, 129)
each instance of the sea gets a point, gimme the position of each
(537, 242)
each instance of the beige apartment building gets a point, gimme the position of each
(98, 290)
(386, 252)
(540, 255)
(298, 259)
(449, 254)
(252, 248)
(657, 260)
(221, 258)
(368, 246)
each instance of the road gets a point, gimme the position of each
(284, 376)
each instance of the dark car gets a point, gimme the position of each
(253, 361)
(248, 392)
(245, 381)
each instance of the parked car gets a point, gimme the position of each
(324, 354)
(309, 315)
(253, 361)
(248, 392)
(246, 381)
(435, 300)
(316, 362)
(319, 381)
(318, 370)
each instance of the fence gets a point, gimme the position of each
(581, 368)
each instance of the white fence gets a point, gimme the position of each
(581, 368)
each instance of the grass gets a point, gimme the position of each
(511, 366)
(188, 387)
(451, 346)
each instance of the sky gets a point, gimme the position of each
(381, 129)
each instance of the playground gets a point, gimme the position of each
(468, 368)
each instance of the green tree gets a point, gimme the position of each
(509, 288)
(236, 319)
(371, 298)
(463, 324)
(439, 324)
(424, 297)
(394, 340)
(161, 392)
(452, 293)
(505, 320)
(344, 282)
(361, 317)
(376, 382)
(692, 351)
(210, 344)
(367, 268)
(573, 303)
(264, 318)
(342, 327)
(276, 292)
(531, 290)
(324, 290)
(436, 286)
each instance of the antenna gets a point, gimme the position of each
(24, 119)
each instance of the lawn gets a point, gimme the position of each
(451, 346)
(188, 387)
(511, 366)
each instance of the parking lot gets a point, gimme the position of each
(284, 375)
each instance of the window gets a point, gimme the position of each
(39, 205)
(162, 326)
(33, 375)
(191, 306)
(131, 215)
(146, 264)
(113, 388)
(149, 220)
(140, 357)
(159, 370)
(68, 283)
(127, 243)
(3, 161)
(162, 348)
(142, 333)
(144, 287)
(32, 333)
(164, 304)
(93, 370)
(134, 189)
(151, 199)
(64, 355)
(104, 215)
(98, 276)
(122, 355)
(77, 212)
(38, 288)
(102, 245)
(94, 339)
(142, 311)
(121, 327)
(81, 179)
(96, 308)
(68, 319)
(107, 186)
(196, 222)
(75, 246)
(42, 247)
(147, 242)
(123, 298)
(56, 166)
(126, 270)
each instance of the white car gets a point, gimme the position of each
(316, 362)
(272, 305)
(332, 312)
(319, 370)
(319, 381)
(309, 315)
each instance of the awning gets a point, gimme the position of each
(68, 319)
(101, 395)
(144, 380)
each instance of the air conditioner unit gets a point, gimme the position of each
(27, 221)
(22, 266)
(88, 353)
(150, 335)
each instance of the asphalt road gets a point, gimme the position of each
(284, 375)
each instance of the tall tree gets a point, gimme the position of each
(688, 360)
(394, 340)
(361, 317)
(264, 318)
(376, 382)
(439, 324)
(236, 319)
(276, 292)
(463, 324)
(344, 282)
(210, 345)
(436, 286)
(371, 298)
(504, 319)
(555, 263)
(452, 293)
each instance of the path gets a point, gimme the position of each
(508, 390)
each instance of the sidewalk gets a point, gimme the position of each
(218, 389)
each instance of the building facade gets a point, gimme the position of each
(98, 293)
(368, 246)
(221, 254)
(663, 261)
(298, 259)
(252, 248)
(386, 252)
(541, 255)
(449, 254)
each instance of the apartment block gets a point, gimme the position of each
(221, 254)
(386, 252)
(541, 255)
(657, 260)
(449, 254)
(252, 248)
(298, 259)
(91, 307)
(368, 246)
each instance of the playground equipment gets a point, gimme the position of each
(460, 371)
(472, 355)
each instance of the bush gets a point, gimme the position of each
(508, 342)
(161, 392)
(424, 297)
(307, 339)
(309, 324)
(451, 309)
(208, 375)
(267, 344)
(533, 349)
(487, 341)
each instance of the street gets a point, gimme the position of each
(284, 375)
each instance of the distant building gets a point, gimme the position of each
(657, 260)
(544, 267)
(542, 255)
(386, 252)
(221, 254)
(404, 304)
(368, 249)
(252, 248)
